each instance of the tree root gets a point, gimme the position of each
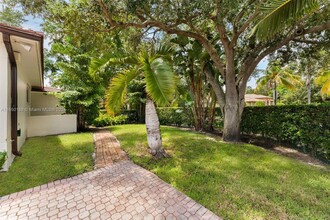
(158, 154)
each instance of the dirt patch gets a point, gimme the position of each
(283, 150)
(271, 145)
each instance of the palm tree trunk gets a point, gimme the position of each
(309, 93)
(275, 94)
(153, 131)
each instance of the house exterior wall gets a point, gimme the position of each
(51, 125)
(23, 107)
(45, 104)
(3, 97)
(5, 143)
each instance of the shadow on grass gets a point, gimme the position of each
(46, 159)
(236, 181)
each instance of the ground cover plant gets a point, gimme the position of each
(235, 181)
(47, 159)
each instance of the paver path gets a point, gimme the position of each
(122, 190)
(108, 150)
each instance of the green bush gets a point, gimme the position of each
(179, 116)
(106, 120)
(2, 158)
(175, 116)
(306, 127)
(260, 103)
(132, 116)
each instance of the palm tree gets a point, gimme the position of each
(324, 81)
(159, 78)
(275, 15)
(276, 76)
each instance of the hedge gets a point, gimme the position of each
(105, 120)
(305, 127)
(176, 116)
(179, 116)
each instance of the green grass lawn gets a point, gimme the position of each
(46, 159)
(234, 181)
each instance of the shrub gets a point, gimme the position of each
(106, 120)
(179, 116)
(2, 158)
(260, 103)
(175, 116)
(305, 127)
(132, 116)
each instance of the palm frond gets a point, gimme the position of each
(99, 65)
(277, 14)
(116, 92)
(326, 88)
(324, 81)
(287, 83)
(160, 81)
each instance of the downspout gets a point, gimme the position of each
(13, 94)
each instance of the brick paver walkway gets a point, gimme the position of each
(121, 190)
(108, 150)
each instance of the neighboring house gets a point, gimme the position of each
(252, 99)
(27, 108)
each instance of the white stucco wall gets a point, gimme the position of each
(45, 104)
(5, 144)
(23, 107)
(51, 125)
(3, 97)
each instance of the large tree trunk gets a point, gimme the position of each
(233, 107)
(232, 121)
(80, 119)
(153, 131)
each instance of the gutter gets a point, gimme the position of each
(13, 93)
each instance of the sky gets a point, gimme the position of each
(35, 24)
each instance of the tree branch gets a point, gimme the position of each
(243, 28)
(251, 62)
(217, 89)
(170, 30)
(318, 28)
(306, 41)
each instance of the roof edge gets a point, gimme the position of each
(28, 34)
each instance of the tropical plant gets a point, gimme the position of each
(275, 76)
(276, 15)
(222, 27)
(191, 61)
(154, 67)
(324, 81)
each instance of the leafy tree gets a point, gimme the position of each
(222, 27)
(10, 16)
(159, 79)
(299, 95)
(80, 92)
(231, 22)
(309, 59)
(276, 76)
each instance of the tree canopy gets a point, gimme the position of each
(225, 29)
